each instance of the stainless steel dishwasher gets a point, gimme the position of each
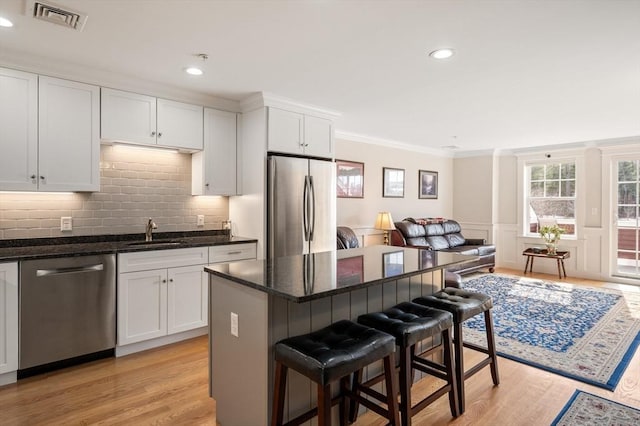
(67, 311)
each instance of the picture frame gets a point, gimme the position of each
(392, 263)
(427, 184)
(392, 182)
(349, 179)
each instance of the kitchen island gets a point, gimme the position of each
(255, 303)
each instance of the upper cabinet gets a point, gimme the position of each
(214, 169)
(140, 119)
(297, 133)
(49, 134)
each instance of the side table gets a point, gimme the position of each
(560, 256)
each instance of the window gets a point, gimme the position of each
(551, 196)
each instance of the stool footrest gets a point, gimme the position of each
(479, 366)
(370, 405)
(476, 347)
(431, 398)
(430, 367)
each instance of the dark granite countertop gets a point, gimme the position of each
(40, 248)
(313, 276)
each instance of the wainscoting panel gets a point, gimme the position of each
(508, 253)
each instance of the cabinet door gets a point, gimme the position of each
(180, 125)
(18, 130)
(214, 169)
(69, 136)
(142, 306)
(187, 298)
(8, 317)
(285, 131)
(128, 117)
(318, 137)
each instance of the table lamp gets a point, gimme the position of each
(384, 222)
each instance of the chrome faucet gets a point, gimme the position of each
(148, 233)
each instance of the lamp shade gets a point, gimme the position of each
(384, 221)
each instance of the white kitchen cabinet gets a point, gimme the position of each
(49, 134)
(142, 306)
(298, 133)
(8, 320)
(161, 292)
(68, 136)
(18, 130)
(146, 120)
(214, 169)
(187, 298)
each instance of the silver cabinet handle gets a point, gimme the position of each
(72, 270)
(234, 252)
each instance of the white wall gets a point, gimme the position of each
(360, 213)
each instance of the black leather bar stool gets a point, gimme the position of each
(331, 354)
(410, 323)
(464, 305)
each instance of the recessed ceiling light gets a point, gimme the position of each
(4, 22)
(442, 53)
(194, 71)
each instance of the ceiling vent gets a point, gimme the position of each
(55, 14)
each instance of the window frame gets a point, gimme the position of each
(524, 164)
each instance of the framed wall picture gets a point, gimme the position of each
(350, 179)
(392, 182)
(427, 184)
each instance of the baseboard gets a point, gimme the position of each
(8, 378)
(160, 341)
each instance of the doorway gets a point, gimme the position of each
(626, 232)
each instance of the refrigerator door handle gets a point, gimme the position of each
(312, 208)
(305, 208)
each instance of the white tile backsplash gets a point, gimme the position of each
(136, 184)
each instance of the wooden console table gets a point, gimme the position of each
(560, 256)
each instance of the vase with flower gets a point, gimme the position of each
(551, 235)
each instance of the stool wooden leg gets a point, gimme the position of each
(344, 412)
(279, 387)
(451, 373)
(406, 380)
(392, 389)
(354, 406)
(459, 361)
(491, 346)
(324, 405)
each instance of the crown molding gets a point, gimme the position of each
(389, 143)
(266, 99)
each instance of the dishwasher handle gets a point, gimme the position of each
(72, 270)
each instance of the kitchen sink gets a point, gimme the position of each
(155, 243)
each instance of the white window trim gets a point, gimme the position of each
(546, 157)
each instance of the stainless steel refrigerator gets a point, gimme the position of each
(301, 206)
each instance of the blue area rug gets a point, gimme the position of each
(585, 409)
(584, 333)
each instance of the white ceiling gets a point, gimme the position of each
(525, 73)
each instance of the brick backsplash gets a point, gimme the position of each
(135, 184)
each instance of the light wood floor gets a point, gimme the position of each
(169, 386)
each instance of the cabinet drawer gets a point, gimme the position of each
(231, 252)
(154, 259)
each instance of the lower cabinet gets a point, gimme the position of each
(157, 302)
(8, 320)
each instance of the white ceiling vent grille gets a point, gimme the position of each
(56, 14)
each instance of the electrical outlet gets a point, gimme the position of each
(200, 220)
(66, 223)
(234, 324)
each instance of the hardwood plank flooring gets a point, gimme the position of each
(169, 386)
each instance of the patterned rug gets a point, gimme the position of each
(585, 409)
(584, 333)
